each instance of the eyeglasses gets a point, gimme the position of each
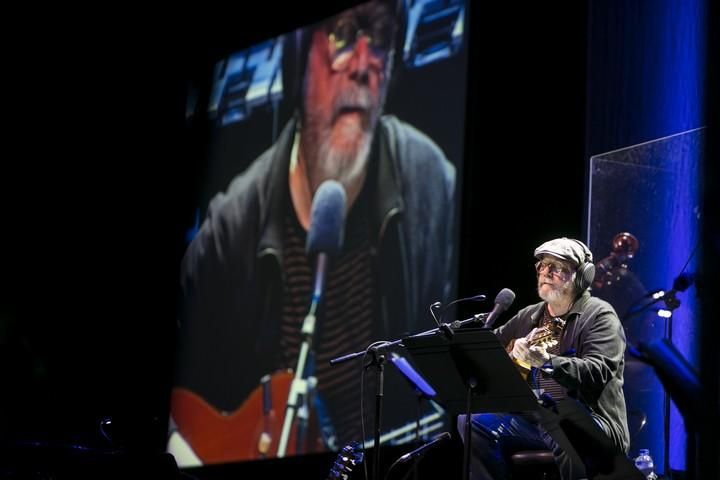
(554, 268)
(345, 31)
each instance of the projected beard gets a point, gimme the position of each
(337, 132)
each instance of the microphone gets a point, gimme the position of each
(681, 283)
(476, 298)
(422, 450)
(503, 300)
(325, 237)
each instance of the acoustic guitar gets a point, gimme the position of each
(544, 335)
(250, 432)
(347, 461)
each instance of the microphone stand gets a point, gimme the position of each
(672, 303)
(680, 284)
(378, 360)
(418, 413)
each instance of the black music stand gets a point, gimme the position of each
(472, 373)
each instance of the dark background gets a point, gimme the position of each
(99, 170)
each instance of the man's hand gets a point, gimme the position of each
(535, 355)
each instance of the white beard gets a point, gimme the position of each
(564, 293)
(347, 167)
(346, 163)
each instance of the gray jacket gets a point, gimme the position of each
(594, 374)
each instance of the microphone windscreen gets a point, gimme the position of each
(505, 298)
(327, 219)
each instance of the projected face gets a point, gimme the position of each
(555, 278)
(345, 88)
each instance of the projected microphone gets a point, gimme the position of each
(325, 238)
(437, 305)
(503, 300)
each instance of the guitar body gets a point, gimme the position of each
(250, 432)
(541, 336)
(523, 367)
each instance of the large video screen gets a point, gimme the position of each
(327, 223)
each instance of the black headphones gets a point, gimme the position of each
(585, 273)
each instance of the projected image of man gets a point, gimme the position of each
(247, 277)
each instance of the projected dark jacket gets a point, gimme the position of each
(232, 274)
(594, 374)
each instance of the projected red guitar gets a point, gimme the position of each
(250, 432)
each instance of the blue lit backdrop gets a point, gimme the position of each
(646, 65)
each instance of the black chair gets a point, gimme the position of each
(532, 464)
